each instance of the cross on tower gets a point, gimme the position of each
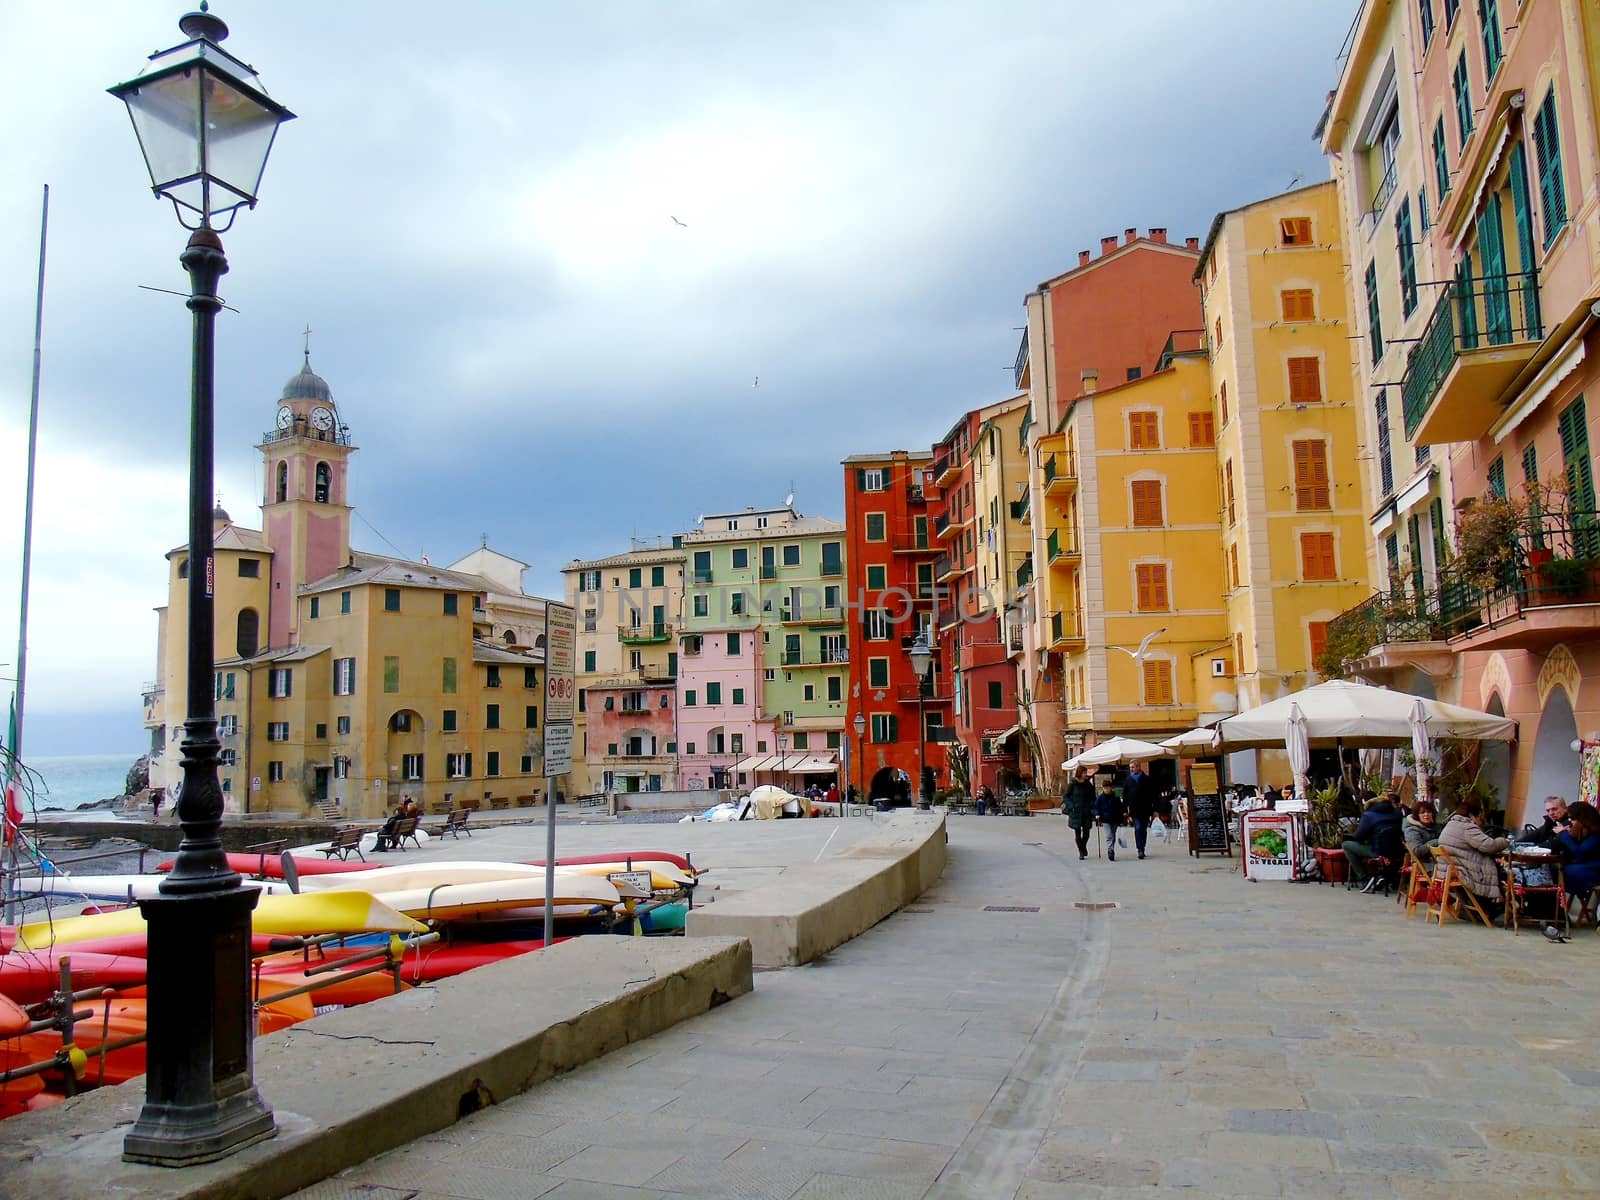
(306, 332)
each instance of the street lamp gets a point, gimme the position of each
(860, 726)
(783, 762)
(921, 655)
(205, 127)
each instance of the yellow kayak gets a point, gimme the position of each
(318, 912)
(664, 877)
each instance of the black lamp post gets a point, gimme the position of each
(921, 655)
(205, 127)
(860, 726)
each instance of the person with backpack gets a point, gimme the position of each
(1110, 811)
(1077, 804)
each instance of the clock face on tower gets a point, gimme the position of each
(285, 416)
(321, 418)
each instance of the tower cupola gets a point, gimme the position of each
(307, 384)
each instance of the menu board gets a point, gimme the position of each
(1208, 823)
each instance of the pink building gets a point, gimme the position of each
(719, 708)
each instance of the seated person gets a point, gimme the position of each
(1579, 847)
(1555, 824)
(386, 839)
(1421, 832)
(1474, 852)
(1377, 836)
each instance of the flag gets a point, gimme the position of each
(13, 806)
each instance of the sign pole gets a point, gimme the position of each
(560, 705)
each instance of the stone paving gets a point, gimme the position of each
(1206, 1037)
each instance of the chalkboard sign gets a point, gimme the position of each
(1208, 825)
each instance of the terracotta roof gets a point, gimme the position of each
(281, 654)
(231, 537)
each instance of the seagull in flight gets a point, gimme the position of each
(1144, 646)
(757, 382)
(675, 221)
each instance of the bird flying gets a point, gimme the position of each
(675, 221)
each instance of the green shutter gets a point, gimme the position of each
(1408, 262)
(658, 576)
(1552, 190)
(391, 673)
(1436, 520)
(449, 684)
(894, 728)
(1497, 477)
(1466, 309)
(1492, 248)
(1493, 48)
(1374, 314)
(1461, 81)
(1530, 466)
(861, 479)
(1441, 165)
(1574, 424)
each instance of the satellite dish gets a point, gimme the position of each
(788, 501)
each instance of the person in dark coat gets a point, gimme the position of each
(1379, 834)
(1579, 847)
(1556, 823)
(1110, 811)
(1077, 802)
(1140, 796)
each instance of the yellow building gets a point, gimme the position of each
(1131, 577)
(1289, 454)
(350, 678)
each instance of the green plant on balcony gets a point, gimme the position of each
(1568, 578)
(1487, 546)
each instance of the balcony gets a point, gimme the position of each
(1060, 473)
(947, 568)
(945, 469)
(929, 690)
(1382, 195)
(910, 542)
(644, 635)
(942, 526)
(1019, 368)
(1014, 639)
(301, 429)
(1019, 510)
(1547, 590)
(1482, 332)
(769, 570)
(796, 659)
(1181, 341)
(810, 614)
(832, 568)
(1025, 572)
(1062, 551)
(1066, 631)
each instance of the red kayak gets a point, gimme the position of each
(136, 945)
(270, 866)
(578, 860)
(28, 976)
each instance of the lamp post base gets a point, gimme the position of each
(201, 1102)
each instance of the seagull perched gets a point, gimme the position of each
(1144, 646)
(675, 221)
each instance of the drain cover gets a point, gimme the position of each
(1010, 908)
(1094, 905)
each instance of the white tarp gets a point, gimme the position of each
(1358, 715)
(1193, 739)
(1116, 750)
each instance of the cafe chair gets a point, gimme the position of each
(1519, 869)
(1416, 883)
(1453, 895)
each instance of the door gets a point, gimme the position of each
(319, 785)
(1496, 295)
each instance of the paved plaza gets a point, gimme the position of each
(1206, 1036)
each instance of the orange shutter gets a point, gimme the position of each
(1146, 503)
(1296, 231)
(1202, 429)
(1227, 476)
(1311, 476)
(1144, 431)
(1316, 556)
(1233, 563)
(1298, 304)
(1319, 639)
(1223, 402)
(1151, 579)
(1238, 653)
(1157, 682)
(1305, 381)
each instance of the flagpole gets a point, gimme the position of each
(19, 701)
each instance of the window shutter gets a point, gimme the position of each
(1305, 381)
(894, 728)
(861, 479)
(1311, 475)
(1319, 640)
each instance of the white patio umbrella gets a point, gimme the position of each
(1358, 714)
(1419, 744)
(1298, 745)
(1194, 739)
(1116, 750)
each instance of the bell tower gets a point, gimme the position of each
(305, 509)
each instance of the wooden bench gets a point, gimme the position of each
(405, 828)
(264, 851)
(346, 842)
(440, 808)
(500, 803)
(470, 805)
(455, 824)
(527, 801)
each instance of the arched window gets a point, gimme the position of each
(511, 637)
(324, 482)
(283, 482)
(249, 632)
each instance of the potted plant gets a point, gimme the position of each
(1566, 580)
(1487, 542)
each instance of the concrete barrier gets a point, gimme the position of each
(353, 1084)
(814, 907)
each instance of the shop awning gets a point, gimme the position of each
(812, 764)
(1004, 735)
(756, 762)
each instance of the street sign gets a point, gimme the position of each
(560, 696)
(639, 879)
(557, 750)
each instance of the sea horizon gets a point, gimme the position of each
(63, 782)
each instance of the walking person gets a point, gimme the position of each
(1077, 802)
(1110, 811)
(1140, 797)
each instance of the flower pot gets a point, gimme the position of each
(1333, 864)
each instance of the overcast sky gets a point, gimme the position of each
(473, 212)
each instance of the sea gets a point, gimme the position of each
(68, 781)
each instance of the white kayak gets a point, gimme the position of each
(448, 901)
(113, 889)
(403, 876)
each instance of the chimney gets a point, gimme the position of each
(1158, 235)
(1192, 242)
(1083, 258)
(1107, 245)
(1128, 235)
(1090, 379)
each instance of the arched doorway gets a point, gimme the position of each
(1555, 762)
(885, 784)
(1494, 768)
(408, 769)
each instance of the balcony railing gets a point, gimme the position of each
(1181, 341)
(1019, 509)
(1383, 194)
(301, 428)
(1498, 310)
(910, 542)
(1021, 363)
(1060, 471)
(928, 689)
(700, 575)
(637, 635)
(1553, 562)
(941, 525)
(1064, 629)
(769, 570)
(945, 467)
(1025, 572)
(1014, 638)
(831, 568)
(1059, 548)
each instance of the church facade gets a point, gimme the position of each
(349, 679)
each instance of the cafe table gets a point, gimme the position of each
(1519, 865)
